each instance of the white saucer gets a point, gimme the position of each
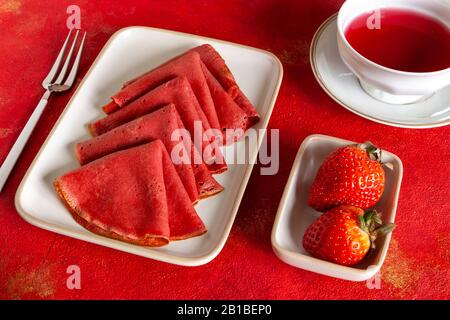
(343, 87)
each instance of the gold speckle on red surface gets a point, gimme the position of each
(298, 54)
(10, 6)
(38, 282)
(3, 100)
(444, 244)
(4, 132)
(398, 270)
(32, 23)
(102, 26)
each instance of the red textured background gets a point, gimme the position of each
(33, 262)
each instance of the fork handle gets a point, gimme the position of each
(21, 141)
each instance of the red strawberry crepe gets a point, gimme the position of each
(217, 66)
(130, 188)
(159, 124)
(187, 65)
(231, 116)
(134, 195)
(225, 106)
(176, 91)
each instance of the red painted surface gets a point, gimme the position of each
(33, 262)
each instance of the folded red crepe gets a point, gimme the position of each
(233, 120)
(232, 109)
(134, 195)
(187, 65)
(217, 66)
(160, 124)
(179, 92)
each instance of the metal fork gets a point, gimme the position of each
(57, 80)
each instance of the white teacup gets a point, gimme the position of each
(385, 84)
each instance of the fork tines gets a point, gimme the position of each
(60, 73)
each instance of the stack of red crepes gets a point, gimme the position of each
(130, 187)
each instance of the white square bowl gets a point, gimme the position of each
(129, 53)
(294, 215)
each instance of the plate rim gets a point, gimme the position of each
(349, 273)
(134, 249)
(322, 83)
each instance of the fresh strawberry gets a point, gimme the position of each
(344, 234)
(351, 175)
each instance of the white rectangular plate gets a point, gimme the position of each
(294, 215)
(129, 53)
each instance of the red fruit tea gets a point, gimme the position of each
(401, 39)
